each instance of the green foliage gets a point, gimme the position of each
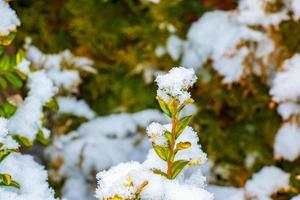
(23, 141)
(119, 35)
(7, 109)
(9, 74)
(161, 151)
(182, 125)
(178, 166)
(52, 104)
(234, 123)
(290, 34)
(6, 180)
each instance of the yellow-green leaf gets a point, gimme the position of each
(20, 55)
(9, 109)
(186, 102)
(3, 83)
(182, 145)
(162, 152)
(40, 137)
(6, 179)
(168, 135)
(182, 125)
(158, 171)
(23, 141)
(164, 107)
(14, 80)
(177, 167)
(52, 104)
(3, 154)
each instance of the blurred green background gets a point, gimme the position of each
(121, 37)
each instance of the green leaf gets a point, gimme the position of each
(186, 102)
(52, 104)
(182, 146)
(168, 135)
(3, 83)
(9, 109)
(6, 180)
(158, 171)
(182, 125)
(40, 137)
(1, 48)
(162, 152)
(15, 184)
(23, 141)
(20, 55)
(164, 107)
(3, 154)
(178, 166)
(14, 80)
(20, 74)
(4, 63)
(2, 113)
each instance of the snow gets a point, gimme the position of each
(288, 109)
(285, 90)
(286, 83)
(124, 180)
(101, 143)
(175, 84)
(76, 187)
(27, 119)
(228, 193)
(194, 154)
(287, 142)
(225, 47)
(174, 47)
(69, 105)
(295, 7)
(5, 139)
(62, 68)
(160, 51)
(31, 176)
(156, 135)
(296, 197)
(267, 181)
(253, 12)
(8, 19)
(154, 1)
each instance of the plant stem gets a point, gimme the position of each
(172, 142)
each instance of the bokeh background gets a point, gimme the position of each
(123, 36)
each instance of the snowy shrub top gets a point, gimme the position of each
(266, 182)
(175, 84)
(27, 120)
(8, 19)
(287, 142)
(69, 105)
(286, 82)
(31, 177)
(236, 49)
(63, 68)
(255, 12)
(133, 181)
(228, 47)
